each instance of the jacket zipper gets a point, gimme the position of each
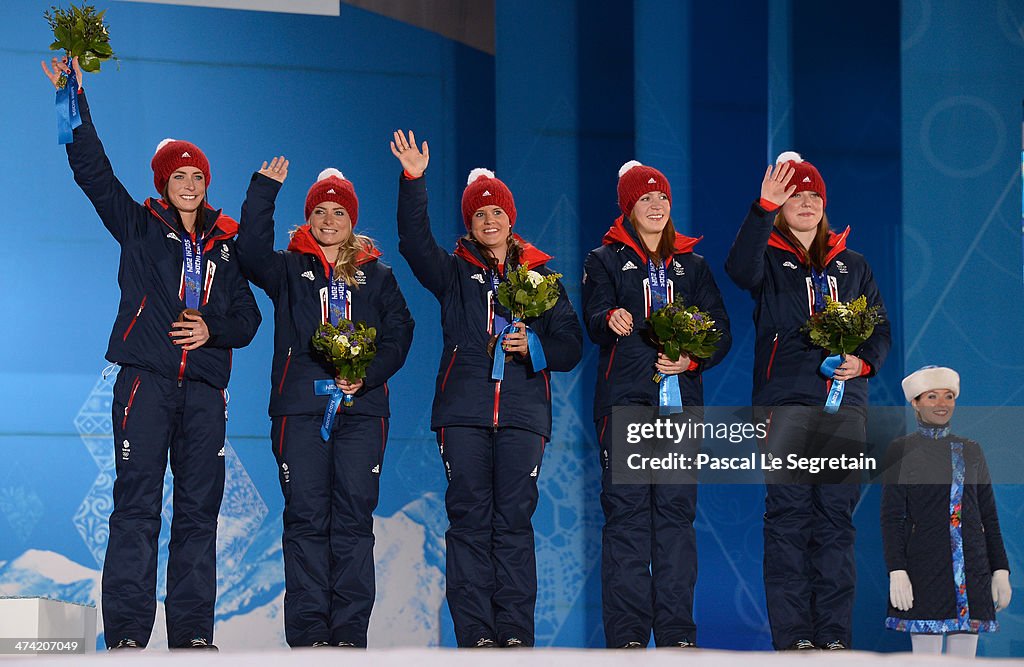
(771, 359)
(448, 370)
(547, 385)
(611, 358)
(287, 362)
(131, 399)
(134, 319)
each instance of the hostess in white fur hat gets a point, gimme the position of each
(931, 377)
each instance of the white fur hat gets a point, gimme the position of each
(931, 377)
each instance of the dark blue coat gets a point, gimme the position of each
(150, 274)
(614, 277)
(464, 393)
(916, 526)
(777, 275)
(297, 280)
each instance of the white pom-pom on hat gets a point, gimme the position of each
(627, 166)
(478, 173)
(162, 144)
(330, 171)
(787, 156)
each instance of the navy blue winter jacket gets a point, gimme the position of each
(778, 276)
(297, 281)
(615, 276)
(464, 393)
(150, 274)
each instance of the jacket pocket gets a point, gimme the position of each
(284, 373)
(448, 370)
(131, 400)
(135, 319)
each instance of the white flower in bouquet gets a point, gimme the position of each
(354, 350)
(534, 278)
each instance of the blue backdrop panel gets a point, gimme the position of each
(963, 300)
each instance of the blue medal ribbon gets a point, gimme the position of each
(820, 281)
(192, 258)
(537, 358)
(828, 367)
(68, 114)
(328, 388)
(337, 311)
(339, 299)
(670, 398)
(835, 394)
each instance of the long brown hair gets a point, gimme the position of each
(666, 244)
(819, 246)
(513, 251)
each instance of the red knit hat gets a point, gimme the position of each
(331, 185)
(636, 180)
(172, 155)
(483, 189)
(806, 176)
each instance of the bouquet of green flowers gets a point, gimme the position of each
(526, 294)
(678, 329)
(348, 347)
(840, 328)
(82, 32)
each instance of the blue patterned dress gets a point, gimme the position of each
(939, 523)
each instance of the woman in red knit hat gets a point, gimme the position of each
(491, 433)
(649, 547)
(791, 262)
(329, 461)
(184, 306)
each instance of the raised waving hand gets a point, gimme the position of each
(277, 169)
(414, 160)
(775, 187)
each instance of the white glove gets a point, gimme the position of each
(901, 593)
(1001, 591)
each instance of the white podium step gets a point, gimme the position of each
(32, 625)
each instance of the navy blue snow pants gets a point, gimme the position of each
(809, 562)
(153, 416)
(330, 491)
(648, 556)
(491, 565)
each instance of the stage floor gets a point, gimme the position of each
(550, 657)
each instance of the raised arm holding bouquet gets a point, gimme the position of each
(184, 305)
(82, 34)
